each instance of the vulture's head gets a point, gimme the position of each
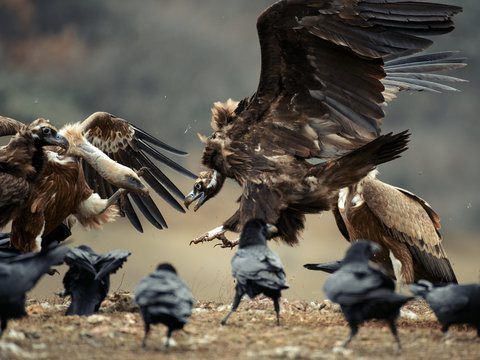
(45, 134)
(128, 179)
(206, 186)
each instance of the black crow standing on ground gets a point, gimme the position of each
(452, 303)
(164, 298)
(19, 274)
(88, 279)
(256, 268)
(362, 291)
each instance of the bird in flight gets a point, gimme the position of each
(327, 70)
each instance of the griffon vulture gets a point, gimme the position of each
(21, 161)
(77, 181)
(403, 224)
(328, 67)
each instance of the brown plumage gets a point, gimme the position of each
(403, 224)
(21, 161)
(328, 67)
(64, 191)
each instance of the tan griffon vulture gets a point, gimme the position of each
(403, 224)
(328, 68)
(75, 183)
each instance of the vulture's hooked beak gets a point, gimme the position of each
(58, 140)
(192, 196)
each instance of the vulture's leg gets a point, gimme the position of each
(120, 194)
(227, 243)
(217, 233)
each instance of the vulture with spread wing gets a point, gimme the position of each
(403, 224)
(21, 161)
(75, 183)
(328, 68)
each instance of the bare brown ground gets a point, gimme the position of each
(308, 330)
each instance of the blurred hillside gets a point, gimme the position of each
(162, 64)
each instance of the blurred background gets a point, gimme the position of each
(161, 64)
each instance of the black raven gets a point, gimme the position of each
(256, 268)
(164, 298)
(362, 291)
(329, 267)
(87, 280)
(452, 303)
(19, 274)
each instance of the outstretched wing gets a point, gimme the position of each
(110, 262)
(323, 74)
(135, 148)
(80, 259)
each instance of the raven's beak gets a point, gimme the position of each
(272, 230)
(192, 196)
(58, 140)
(375, 247)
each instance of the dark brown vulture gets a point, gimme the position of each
(404, 225)
(21, 161)
(328, 68)
(81, 183)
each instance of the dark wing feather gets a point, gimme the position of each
(110, 262)
(323, 65)
(132, 147)
(259, 264)
(82, 258)
(163, 292)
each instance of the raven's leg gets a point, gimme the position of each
(147, 330)
(3, 325)
(391, 322)
(276, 305)
(445, 330)
(353, 332)
(236, 302)
(169, 335)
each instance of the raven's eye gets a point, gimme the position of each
(46, 131)
(198, 186)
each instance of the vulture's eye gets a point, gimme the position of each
(198, 186)
(46, 131)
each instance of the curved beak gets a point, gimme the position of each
(192, 196)
(141, 189)
(58, 140)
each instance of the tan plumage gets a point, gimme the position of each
(65, 189)
(404, 225)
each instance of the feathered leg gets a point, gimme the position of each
(236, 302)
